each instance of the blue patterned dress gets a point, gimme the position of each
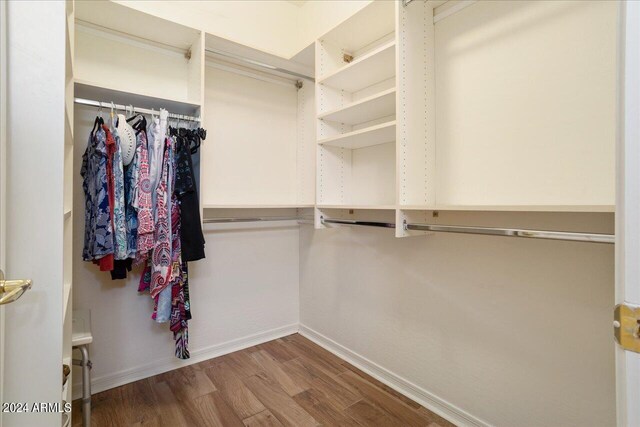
(119, 215)
(98, 230)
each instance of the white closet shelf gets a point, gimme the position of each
(359, 207)
(373, 67)
(266, 206)
(373, 22)
(113, 17)
(67, 213)
(373, 135)
(109, 93)
(373, 107)
(513, 208)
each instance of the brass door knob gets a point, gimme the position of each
(11, 290)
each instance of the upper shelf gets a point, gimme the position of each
(512, 208)
(359, 207)
(373, 135)
(371, 23)
(98, 92)
(257, 206)
(373, 107)
(112, 16)
(373, 67)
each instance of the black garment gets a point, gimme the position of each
(191, 237)
(120, 268)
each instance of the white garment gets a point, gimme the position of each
(157, 135)
(127, 140)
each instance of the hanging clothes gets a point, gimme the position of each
(157, 135)
(98, 238)
(161, 257)
(119, 220)
(145, 209)
(162, 310)
(131, 213)
(191, 236)
(146, 224)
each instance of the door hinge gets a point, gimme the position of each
(626, 327)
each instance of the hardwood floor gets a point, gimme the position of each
(287, 382)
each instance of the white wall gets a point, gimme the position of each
(532, 81)
(318, 17)
(246, 288)
(514, 332)
(269, 26)
(282, 28)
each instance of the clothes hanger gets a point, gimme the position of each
(114, 116)
(96, 125)
(98, 122)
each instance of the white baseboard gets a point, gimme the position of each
(156, 367)
(399, 384)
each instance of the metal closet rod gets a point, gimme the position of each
(487, 231)
(354, 222)
(255, 219)
(102, 104)
(259, 64)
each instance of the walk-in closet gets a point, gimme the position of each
(304, 213)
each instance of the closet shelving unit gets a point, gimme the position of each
(123, 51)
(471, 164)
(425, 176)
(132, 58)
(356, 102)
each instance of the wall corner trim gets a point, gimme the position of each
(433, 403)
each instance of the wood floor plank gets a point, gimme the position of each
(243, 364)
(139, 404)
(148, 423)
(276, 400)
(278, 349)
(102, 408)
(382, 386)
(263, 419)
(274, 370)
(287, 382)
(301, 346)
(189, 383)
(340, 394)
(297, 373)
(369, 415)
(405, 414)
(319, 408)
(231, 388)
(320, 352)
(168, 407)
(215, 412)
(438, 421)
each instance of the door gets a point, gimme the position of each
(628, 217)
(31, 205)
